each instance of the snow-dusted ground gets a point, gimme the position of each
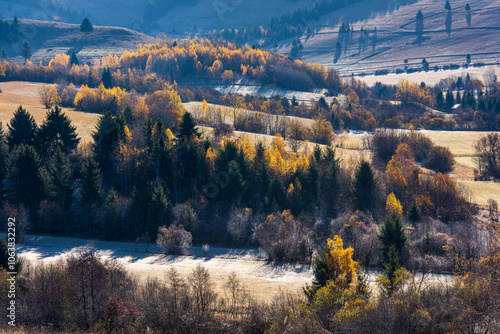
(431, 77)
(261, 278)
(396, 41)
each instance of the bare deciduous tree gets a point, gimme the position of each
(202, 289)
(49, 96)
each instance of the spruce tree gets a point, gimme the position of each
(22, 129)
(16, 28)
(26, 51)
(91, 192)
(60, 178)
(414, 214)
(4, 259)
(112, 216)
(56, 130)
(311, 185)
(440, 100)
(109, 131)
(364, 188)
(187, 128)
(160, 160)
(264, 177)
(391, 266)
(419, 26)
(317, 153)
(276, 196)
(425, 64)
(447, 6)
(329, 186)
(4, 159)
(450, 101)
(74, 59)
(4, 54)
(159, 211)
(107, 78)
(24, 182)
(86, 26)
(392, 234)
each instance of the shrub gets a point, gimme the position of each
(440, 159)
(279, 236)
(223, 130)
(174, 239)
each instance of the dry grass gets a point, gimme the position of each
(482, 191)
(17, 93)
(461, 143)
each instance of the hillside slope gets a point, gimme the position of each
(396, 38)
(50, 38)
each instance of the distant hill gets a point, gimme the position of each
(50, 38)
(395, 22)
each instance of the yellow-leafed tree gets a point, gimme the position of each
(393, 206)
(334, 267)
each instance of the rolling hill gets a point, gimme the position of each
(50, 38)
(396, 38)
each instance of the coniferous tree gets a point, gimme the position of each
(160, 160)
(112, 217)
(276, 197)
(419, 27)
(4, 159)
(26, 51)
(107, 78)
(391, 267)
(392, 234)
(450, 101)
(109, 131)
(74, 59)
(5, 259)
(159, 211)
(317, 153)
(56, 130)
(86, 26)
(22, 129)
(24, 182)
(187, 128)
(448, 22)
(91, 192)
(364, 188)
(311, 185)
(59, 187)
(264, 177)
(4, 54)
(440, 105)
(425, 64)
(129, 117)
(414, 213)
(330, 186)
(17, 30)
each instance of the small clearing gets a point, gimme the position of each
(16, 93)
